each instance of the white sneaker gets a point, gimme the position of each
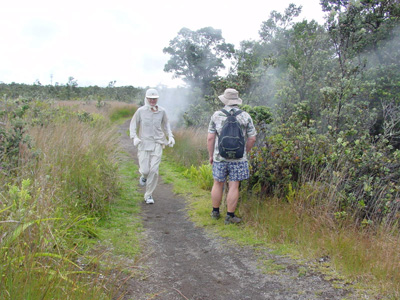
(149, 200)
(142, 181)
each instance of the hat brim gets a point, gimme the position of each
(226, 101)
(153, 97)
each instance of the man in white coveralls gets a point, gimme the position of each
(149, 130)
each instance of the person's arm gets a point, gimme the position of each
(168, 131)
(134, 126)
(250, 143)
(210, 146)
(251, 135)
(133, 129)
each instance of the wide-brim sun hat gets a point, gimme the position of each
(230, 97)
(152, 93)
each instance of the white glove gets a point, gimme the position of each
(136, 141)
(171, 141)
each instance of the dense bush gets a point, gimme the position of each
(364, 172)
(13, 139)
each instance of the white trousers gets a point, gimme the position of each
(149, 162)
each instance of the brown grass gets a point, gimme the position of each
(190, 147)
(364, 254)
(72, 174)
(104, 107)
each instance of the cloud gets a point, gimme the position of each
(39, 31)
(100, 41)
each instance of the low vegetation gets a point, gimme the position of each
(304, 223)
(59, 176)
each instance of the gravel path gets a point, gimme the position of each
(186, 262)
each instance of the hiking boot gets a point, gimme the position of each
(215, 215)
(149, 200)
(142, 181)
(232, 220)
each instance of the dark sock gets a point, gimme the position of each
(230, 214)
(216, 209)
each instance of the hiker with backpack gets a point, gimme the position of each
(231, 135)
(151, 132)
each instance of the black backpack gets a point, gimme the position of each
(231, 139)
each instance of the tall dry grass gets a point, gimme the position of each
(190, 147)
(49, 209)
(81, 160)
(306, 221)
(105, 108)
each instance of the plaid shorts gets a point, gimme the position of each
(235, 170)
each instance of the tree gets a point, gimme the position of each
(71, 88)
(287, 65)
(197, 56)
(365, 36)
(306, 62)
(278, 23)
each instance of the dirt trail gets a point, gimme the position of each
(185, 262)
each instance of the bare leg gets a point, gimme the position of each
(216, 193)
(232, 197)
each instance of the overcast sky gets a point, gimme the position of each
(101, 41)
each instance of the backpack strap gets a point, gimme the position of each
(238, 112)
(225, 112)
(234, 114)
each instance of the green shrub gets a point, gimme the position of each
(13, 137)
(361, 171)
(201, 175)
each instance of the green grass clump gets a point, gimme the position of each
(201, 175)
(122, 112)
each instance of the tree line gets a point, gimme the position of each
(70, 91)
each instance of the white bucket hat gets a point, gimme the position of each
(230, 97)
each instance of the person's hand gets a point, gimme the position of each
(171, 141)
(136, 141)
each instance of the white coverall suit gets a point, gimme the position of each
(152, 127)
